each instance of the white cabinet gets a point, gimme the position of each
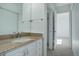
(32, 19)
(26, 26)
(26, 16)
(35, 48)
(37, 26)
(39, 47)
(37, 15)
(16, 52)
(37, 11)
(26, 50)
(32, 11)
(26, 13)
(44, 47)
(32, 49)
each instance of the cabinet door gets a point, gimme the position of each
(37, 11)
(45, 47)
(33, 11)
(37, 26)
(25, 27)
(32, 49)
(26, 16)
(39, 47)
(26, 50)
(17, 52)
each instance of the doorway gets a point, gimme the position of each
(62, 34)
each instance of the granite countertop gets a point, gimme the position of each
(8, 44)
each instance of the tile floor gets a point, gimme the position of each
(62, 48)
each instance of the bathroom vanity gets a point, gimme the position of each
(22, 46)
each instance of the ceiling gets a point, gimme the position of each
(61, 4)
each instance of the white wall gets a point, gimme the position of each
(15, 7)
(75, 29)
(62, 27)
(9, 16)
(8, 22)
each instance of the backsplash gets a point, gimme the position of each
(22, 34)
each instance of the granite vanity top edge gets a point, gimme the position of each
(21, 44)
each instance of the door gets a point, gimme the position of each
(62, 30)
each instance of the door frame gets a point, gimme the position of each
(50, 30)
(70, 25)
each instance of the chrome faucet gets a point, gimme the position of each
(18, 35)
